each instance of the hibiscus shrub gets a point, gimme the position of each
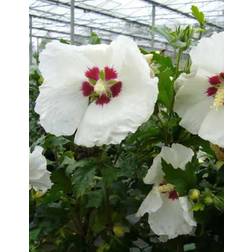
(152, 181)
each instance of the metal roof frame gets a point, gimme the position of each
(133, 24)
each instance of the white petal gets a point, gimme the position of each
(177, 155)
(42, 184)
(39, 177)
(174, 218)
(37, 163)
(98, 54)
(62, 64)
(129, 61)
(151, 203)
(209, 53)
(111, 123)
(212, 128)
(155, 174)
(60, 108)
(192, 103)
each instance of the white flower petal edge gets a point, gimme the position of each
(63, 108)
(208, 54)
(60, 109)
(168, 217)
(214, 120)
(151, 203)
(192, 102)
(177, 155)
(39, 177)
(174, 218)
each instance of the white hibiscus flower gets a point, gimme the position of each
(169, 215)
(200, 98)
(102, 91)
(39, 175)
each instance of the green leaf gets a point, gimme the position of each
(34, 234)
(198, 207)
(164, 31)
(61, 181)
(189, 247)
(166, 90)
(95, 198)
(83, 178)
(198, 15)
(183, 180)
(72, 164)
(64, 41)
(94, 39)
(97, 221)
(163, 62)
(109, 175)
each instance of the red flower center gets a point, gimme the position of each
(215, 82)
(173, 195)
(101, 85)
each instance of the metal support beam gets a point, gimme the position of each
(88, 9)
(72, 23)
(153, 25)
(180, 12)
(30, 45)
(56, 38)
(66, 33)
(99, 29)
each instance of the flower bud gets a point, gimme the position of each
(118, 230)
(208, 200)
(194, 194)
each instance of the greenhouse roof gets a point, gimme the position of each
(75, 19)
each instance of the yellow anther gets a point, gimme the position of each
(100, 87)
(149, 58)
(219, 98)
(166, 188)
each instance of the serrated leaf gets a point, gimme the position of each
(95, 198)
(198, 14)
(166, 90)
(72, 164)
(183, 180)
(109, 175)
(163, 62)
(83, 178)
(61, 181)
(164, 31)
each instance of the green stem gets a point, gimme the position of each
(106, 192)
(118, 154)
(178, 58)
(166, 139)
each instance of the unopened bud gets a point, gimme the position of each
(194, 194)
(208, 200)
(118, 230)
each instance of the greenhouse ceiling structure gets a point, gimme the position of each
(74, 20)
